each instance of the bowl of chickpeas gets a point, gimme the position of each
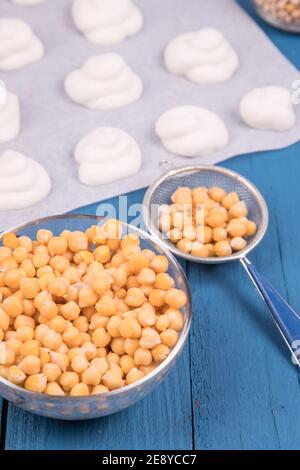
(93, 315)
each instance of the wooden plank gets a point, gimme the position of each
(2, 424)
(162, 420)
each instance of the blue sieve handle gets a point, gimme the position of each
(286, 319)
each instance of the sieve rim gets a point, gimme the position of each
(155, 232)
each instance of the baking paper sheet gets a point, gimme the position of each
(52, 125)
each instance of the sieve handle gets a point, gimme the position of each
(286, 319)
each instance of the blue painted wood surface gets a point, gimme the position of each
(234, 386)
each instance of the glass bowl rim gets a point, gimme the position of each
(147, 378)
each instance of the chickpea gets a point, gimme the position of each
(162, 323)
(106, 306)
(14, 345)
(71, 337)
(52, 372)
(200, 195)
(101, 364)
(81, 323)
(40, 332)
(70, 311)
(36, 383)
(29, 287)
(176, 320)
(1, 334)
(13, 306)
(30, 347)
(60, 359)
(229, 200)
(184, 245)
(13, 277)
(29, 308)
(134, 375)
(20, 254)
(91, 376)
(39, 260)
(9, 263)
(9, 357)
(28, 268)
(138, 262)
(79, 364)
(130, 328)
(159, 264)
(101, 338)
(238, 243)
(169, 337)
(176, 298)
(238, 209)
(142, 357)
(217, 217)
(52, 340)
(135, 297)
(54, 389)
(57, 246)
(30, 365)
(4, 320)
(80, 389)
(236, 228)
(182, 195)
(198, 249)
(174, 234)
(250, 228)
(59, 286)
(49, 310)
(216, 193)
(219, 234)
(130, 346)
(126, 363)
(99, 389)
(150, 338)
(59, 264)
(160, 352)
(112, 379)
(157, 297)
(68, 380)
(102, 254)
(223, 248)
(146, 316)
(10, 240)
(58, 324)
(99, 321)
(77, 241)
(16, 375)
(25, 333)
(43, 236)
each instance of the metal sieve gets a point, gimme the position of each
(286, 319)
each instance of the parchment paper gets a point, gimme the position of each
(52, 125)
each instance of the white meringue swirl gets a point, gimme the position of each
(23, 181)
(105, 155)
(107, 21)
(18, 44)
(104, 82)
(202, 56)
(191, 131)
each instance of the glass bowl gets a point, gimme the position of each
(282, 14)
(95, 406)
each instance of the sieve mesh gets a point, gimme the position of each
(161, 191)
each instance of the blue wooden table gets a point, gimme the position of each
(234, 386)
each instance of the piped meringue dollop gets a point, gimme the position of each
(19, 46)
(268, 108)
(107, 21)
(104, 82)
(9, 118)
(28, 2)
(191, 131)
(23, 181)
(202, 56)
(105, 155)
